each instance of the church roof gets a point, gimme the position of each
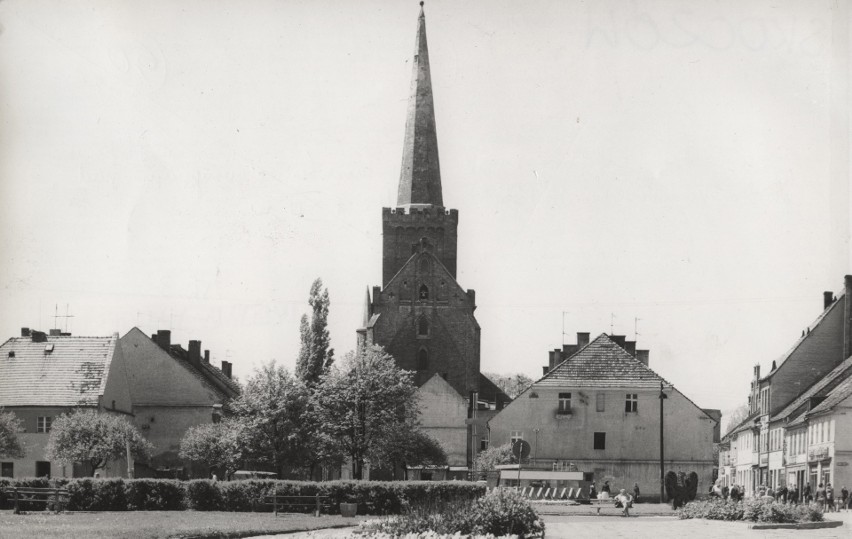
(420, 175)
(59, 371)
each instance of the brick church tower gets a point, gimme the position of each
(420, 314)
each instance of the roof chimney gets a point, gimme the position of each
(643, 356)
(544, 369)
(569, 350)
(226, 368)
(582, 339)
(618, 339)
(38, 336)
(554, 359)
(164, 339)
(827, 299)
(195, 353)
(630, 346)
(207, 356)
(25, 332)
(55, 332)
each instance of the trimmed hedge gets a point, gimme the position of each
(372, 497)
(752, 509)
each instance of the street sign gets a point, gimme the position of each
(521, 449)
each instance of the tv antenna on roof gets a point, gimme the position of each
(636, 328)
(611, 322)
(57, 316)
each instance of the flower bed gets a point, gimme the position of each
(751, 510)
(501, 513)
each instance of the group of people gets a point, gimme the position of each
(824, 496)
(623, 499)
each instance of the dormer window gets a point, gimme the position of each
(424, 292)
(48, 348)
(11, 354)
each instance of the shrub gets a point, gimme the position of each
(505, 512)
(204, 495)
(154, 495)
(96, 495)
(752, 509)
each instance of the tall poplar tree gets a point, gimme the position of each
(315, 355)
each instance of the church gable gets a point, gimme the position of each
(423, 279)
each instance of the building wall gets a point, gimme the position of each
(117, 388)
(401, 230)
(164, 426)
(35, 442)
(632, 438)
(442, 414)
(169, 397)
(453, 339)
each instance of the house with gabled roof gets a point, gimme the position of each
(598, 410)
(172, 389)
(43, 376)
(822, 347)
(800, 447)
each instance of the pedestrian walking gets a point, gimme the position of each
(820, 496)
(593, 492)
(844, 497)
(635, 492)
(806, 493)
(829, 498)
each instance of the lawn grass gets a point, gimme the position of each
(159, 524)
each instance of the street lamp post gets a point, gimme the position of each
(663, 397)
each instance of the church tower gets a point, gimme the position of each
(420, 314)
(420, 211)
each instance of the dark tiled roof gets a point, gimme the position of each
(745, 424)
(780, 361)
(602, 363)
(835, 397)
(74, 373)
(820, 388)
(490, 392)
(205, 372)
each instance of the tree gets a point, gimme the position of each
(10, 445)
(216, 445)
(315, 356)
(273, 410)
(511, 384)
(93, 438)
(408, 447)
(489, 459)
(362, 404)
(735, 417)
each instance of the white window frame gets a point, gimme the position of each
(631, 403)
(44, 423)
(565, 402)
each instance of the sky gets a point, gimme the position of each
(674, 171)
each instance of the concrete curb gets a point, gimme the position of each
(799, 526)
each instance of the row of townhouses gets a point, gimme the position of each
(799, 427)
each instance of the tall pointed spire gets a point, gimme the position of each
(420, 177)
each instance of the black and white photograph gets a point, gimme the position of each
(400, 268)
